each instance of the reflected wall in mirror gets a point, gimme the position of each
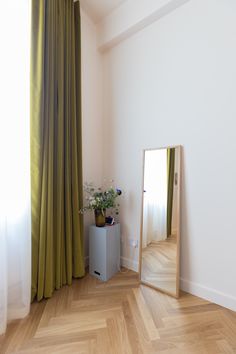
(160, 233)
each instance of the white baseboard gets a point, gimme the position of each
(209, 294)
(129, 263)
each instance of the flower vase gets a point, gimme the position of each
(100, 217)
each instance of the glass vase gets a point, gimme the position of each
(100, 217)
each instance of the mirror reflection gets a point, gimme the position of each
(160, 224)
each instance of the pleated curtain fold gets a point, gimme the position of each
(56, 152)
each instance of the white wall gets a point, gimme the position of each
(172, 83)
(92, 113)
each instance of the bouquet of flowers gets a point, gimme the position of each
(100, 198)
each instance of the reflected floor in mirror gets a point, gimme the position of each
(159, 264)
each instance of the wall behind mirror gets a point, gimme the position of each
(160, 234)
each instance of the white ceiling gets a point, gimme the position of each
(97, 9)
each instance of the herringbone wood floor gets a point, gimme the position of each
(121, 317)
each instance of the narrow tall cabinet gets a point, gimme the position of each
(104, 251)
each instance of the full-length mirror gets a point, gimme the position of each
(160, 233)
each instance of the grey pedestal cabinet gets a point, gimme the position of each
(104, 251)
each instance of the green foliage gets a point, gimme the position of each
(98, 198)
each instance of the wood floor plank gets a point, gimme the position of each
(131, 329)
(146, 315)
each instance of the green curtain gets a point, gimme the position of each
(56, 159)
(170, 186)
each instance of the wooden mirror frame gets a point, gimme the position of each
(176, 295)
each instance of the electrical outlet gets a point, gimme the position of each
(133, 243)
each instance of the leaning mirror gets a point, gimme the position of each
(160, 226)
